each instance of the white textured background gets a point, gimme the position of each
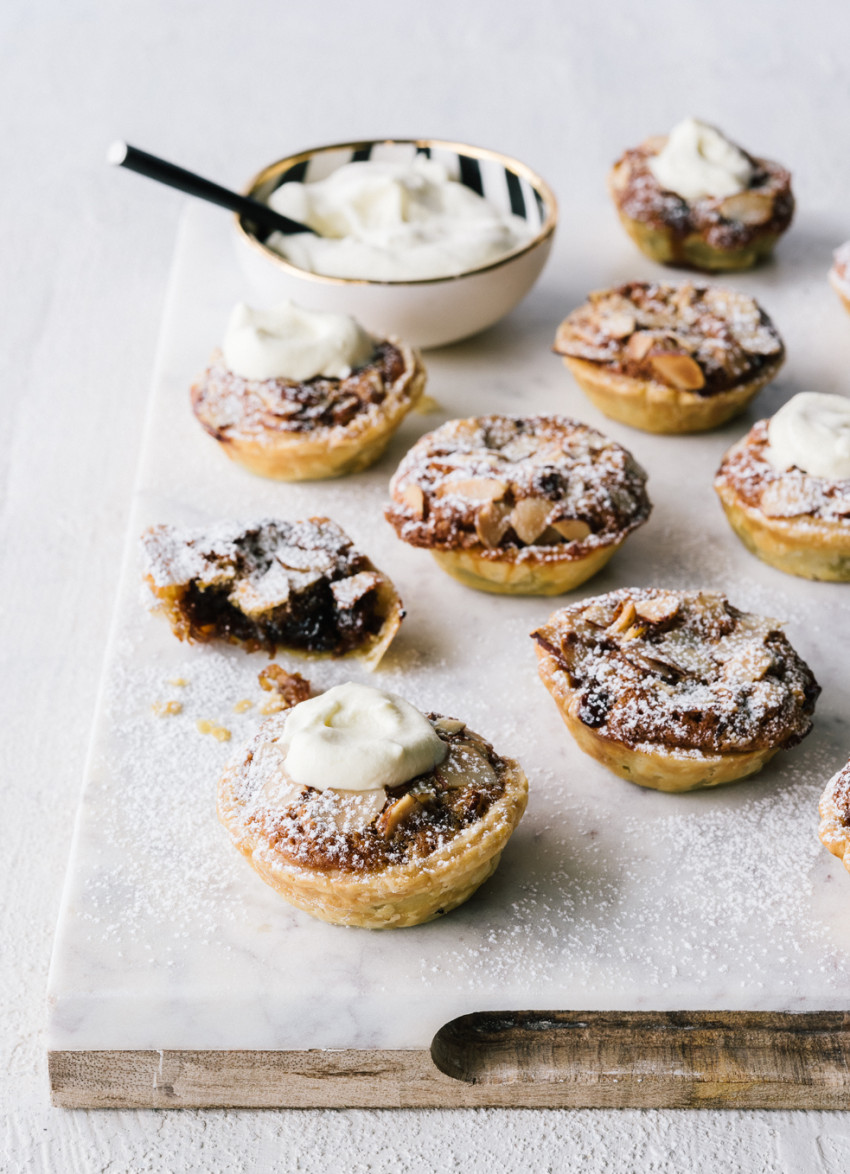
(225, 88)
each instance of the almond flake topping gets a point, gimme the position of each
(693, 674)
(542, 482)
(691, 337)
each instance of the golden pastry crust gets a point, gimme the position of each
(797, 523)
(670, 358)
(518, 505)
(839, 274)
(323, 428)
(675, 689)
(297, 586)
(711, 233)
(834, 809)
(378, 860)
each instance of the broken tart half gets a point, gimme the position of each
(295, 586)
(834, 829)
(519, 505)
(675, 689)
(670, 358)
(360, 810)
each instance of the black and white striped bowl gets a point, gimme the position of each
(426, 313)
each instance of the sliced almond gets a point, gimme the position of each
(751, 663)
(354, 811)
(491, 522)
(748, 207)
(474, 489)
(549, 537)
(785, 499)
(413, 498)
(530, 516)
(278, 790)
(347, 592)
(634, 632)
(253, 597)
(619, 177)
(449, 725)
(600, 616)
(671, 673)
(679, 371)
(389, 820)
(578, 348)
(758, 341)
(465, 764)
(625, 619)
(639, 345)
(573, 529)
(618, 325)
(658, 609)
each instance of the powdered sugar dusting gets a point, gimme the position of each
(745, 939)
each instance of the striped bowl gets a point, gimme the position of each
(427, 313)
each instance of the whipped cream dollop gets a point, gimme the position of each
(697, 160)
(289, 342)
(393, 222)
(812, 431)
(357, 738)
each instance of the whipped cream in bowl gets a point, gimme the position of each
(384, 221)
(698, 160)
(812, 433)
(424, 240)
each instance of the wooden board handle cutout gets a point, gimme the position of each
(671, 1059)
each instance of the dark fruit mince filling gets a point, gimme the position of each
(310, 620)
(299, 585)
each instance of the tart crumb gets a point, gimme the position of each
(180, 682)
(220, 733)
(242, 705)
(167, 708)
(287, 689)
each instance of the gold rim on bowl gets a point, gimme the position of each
(275, 169)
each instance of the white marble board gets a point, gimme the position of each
(608, 896)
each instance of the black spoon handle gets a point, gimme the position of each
(123, 155)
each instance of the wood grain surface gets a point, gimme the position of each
(695, 1059)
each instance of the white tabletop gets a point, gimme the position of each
(224, 89)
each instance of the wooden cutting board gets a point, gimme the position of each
(700, 941)
(559, 1059)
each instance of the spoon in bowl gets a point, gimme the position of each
(123, 155)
